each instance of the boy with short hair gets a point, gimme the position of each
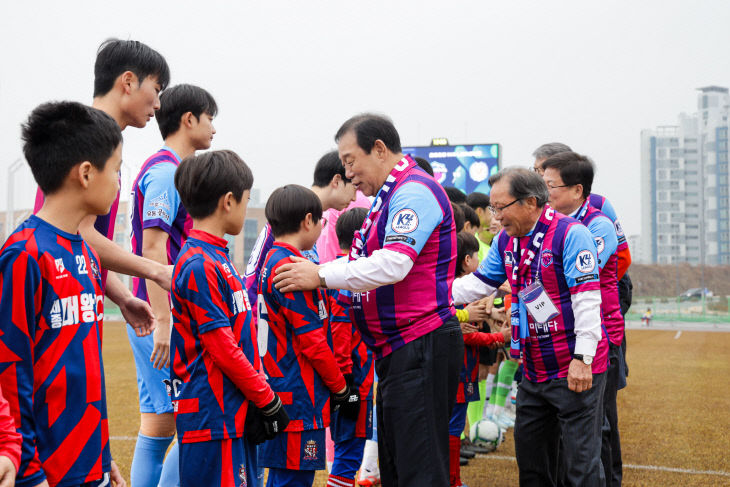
(293, 334)
(356, 363)
(332, 188)
(160, 226)
(216, 379)
(52, 303)
(128, 77)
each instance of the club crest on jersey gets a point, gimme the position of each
(619, 229)
(322, 311)
(470, 388)
(405, 221)
(242, 476)
(600, 244)
(94, 269)
(585, 262)
(60, 268)
(546, 258)
(310, 450)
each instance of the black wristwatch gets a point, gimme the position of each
(586, 359)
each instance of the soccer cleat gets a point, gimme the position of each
(466, 453)
(463, 461)
(467, 444)
(368, 477)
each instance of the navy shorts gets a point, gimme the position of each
(295, 450)
(217, 463)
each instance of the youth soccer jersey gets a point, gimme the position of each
(51, 368)
(156, 204)
(417, 220)
(567, 266)
(296, 346)
(104, 223)
(261, 249)
(207, 293)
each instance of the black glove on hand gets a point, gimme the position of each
(275, 419)
(254, 426)
(348, 402)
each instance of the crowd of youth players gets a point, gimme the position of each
(246, 376)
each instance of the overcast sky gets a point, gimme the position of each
(287, 74)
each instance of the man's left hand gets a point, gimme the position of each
(298, 275)
(580, 376)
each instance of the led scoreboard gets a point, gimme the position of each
(466, 167)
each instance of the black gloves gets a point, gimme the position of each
(347, 402)
(264, 424)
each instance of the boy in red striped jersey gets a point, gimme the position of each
(52, 303)
(223, 405)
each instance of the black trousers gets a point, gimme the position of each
(611, 442)
(548, 412)
(416, 393)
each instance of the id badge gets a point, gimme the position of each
(538, 303)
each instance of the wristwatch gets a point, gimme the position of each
(586, 359)
(322, 282)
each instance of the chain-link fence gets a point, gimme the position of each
(711, 309)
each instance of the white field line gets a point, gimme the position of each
(636, 467)
(679, 334)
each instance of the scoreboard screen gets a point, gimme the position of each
(466, 167)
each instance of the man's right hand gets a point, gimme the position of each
(580, 376)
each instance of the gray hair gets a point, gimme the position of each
(549, 150)
(523, 184)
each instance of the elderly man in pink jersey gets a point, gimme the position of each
(401, 267)
(551, 263)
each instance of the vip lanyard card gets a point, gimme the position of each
(538, 303)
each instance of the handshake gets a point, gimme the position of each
(347, 402)
(264, 424)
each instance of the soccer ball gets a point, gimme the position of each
(486, 433)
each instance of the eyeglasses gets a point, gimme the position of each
(550, 186)
(500, 209)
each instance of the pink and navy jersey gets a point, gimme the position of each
(51, 370)
(207, 293)
(261, 248)
(156, 204)
(294, 339)
(602, 204)
(604, 234)
(104, 223)
(566, 266)
(417, 220)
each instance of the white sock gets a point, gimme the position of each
(488, 388)
(488, 410)
(370, 456)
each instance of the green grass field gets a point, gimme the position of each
(674, 415)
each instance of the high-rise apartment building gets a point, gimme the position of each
(684, 186)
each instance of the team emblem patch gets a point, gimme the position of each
(242, 476)
(546, 258)
(585, 262)
(470, 388)
(310, 450)
(600, 244)
(94, 269)
(405, 221)
(60, 267)
(508, 258)
(478, 171)
(619, 229)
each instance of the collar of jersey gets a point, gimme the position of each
(209, 238)
(289, 247)
(172, 151)
(70, 236)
